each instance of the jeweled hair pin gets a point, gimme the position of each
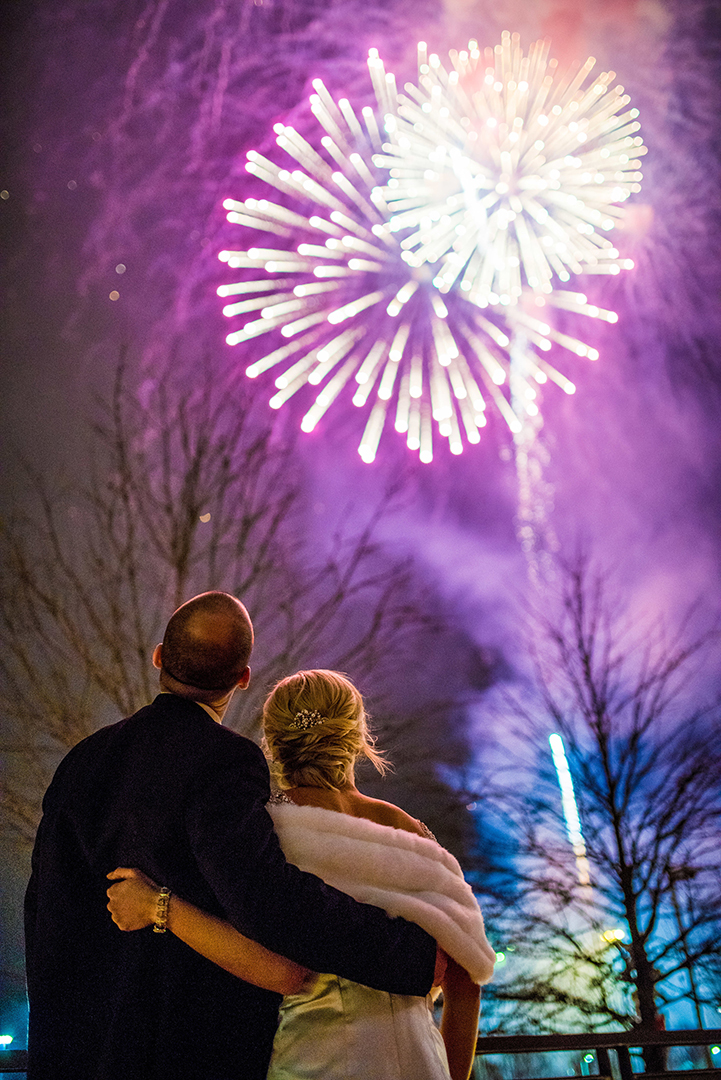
(306, 719)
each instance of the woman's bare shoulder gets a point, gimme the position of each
(385, 813)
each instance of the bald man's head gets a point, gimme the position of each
(207, 644)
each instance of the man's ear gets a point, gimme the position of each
(242, 683)
(157, 657)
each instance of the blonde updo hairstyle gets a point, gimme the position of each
(324, 754)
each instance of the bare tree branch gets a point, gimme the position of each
(645, 768)
(182, 493)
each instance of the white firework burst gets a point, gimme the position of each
(508, 171)
(341, 299)
(354, 291)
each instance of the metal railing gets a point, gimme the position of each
(618, 1042)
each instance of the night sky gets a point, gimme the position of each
(125, 125)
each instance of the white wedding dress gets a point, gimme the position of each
(340, 1030)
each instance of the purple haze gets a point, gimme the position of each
(128, 124)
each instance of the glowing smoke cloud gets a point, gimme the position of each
(385, 270)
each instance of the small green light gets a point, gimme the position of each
(500, 958)
(5, 1040)
(588, 1057)
(716, 1049)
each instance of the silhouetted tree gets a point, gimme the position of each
(183, 493)
(607, 931)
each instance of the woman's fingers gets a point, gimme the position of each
(120, 873)
(125, 873)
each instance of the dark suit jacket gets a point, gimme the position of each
(172, 792)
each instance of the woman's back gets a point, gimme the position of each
(340, 1030)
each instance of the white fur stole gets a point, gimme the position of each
(402, 873)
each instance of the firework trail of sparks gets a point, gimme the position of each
(409, 262)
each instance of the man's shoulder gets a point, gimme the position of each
(174, 724)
